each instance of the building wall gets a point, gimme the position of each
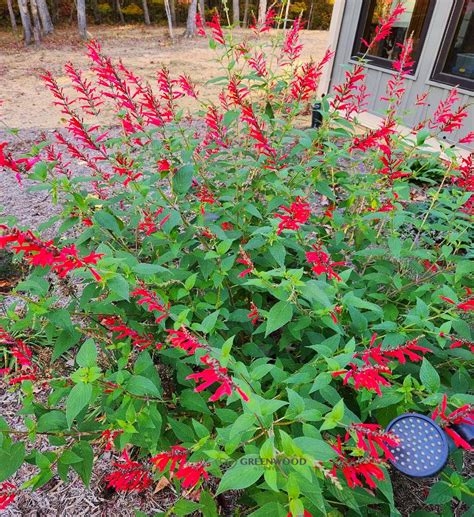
(415, 85)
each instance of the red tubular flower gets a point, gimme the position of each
(385, 25)
(445, 118)
(115, 324)
(383, 357)
(149, 224)
(43, 253)
(216, 132)
(322, 263)
(347, 97)
(199, 25)
(109, 436)
(191, 474)
(461, 415)
(216, 29)
(253, 315)
(236, 92)
(125, 167)
(187, 86)
(8, 492)
(259, 64)
(88, 93)
(292, 46)
(246, 261)
(373, 137)
(256, 131)
(177, 456)
(266, 25)
(465, 306)
(205, 196)
(163, 165)
(183, 339)
(150, 298)
(129, 476)
(458, 342)
(306, 81)
(368, 436)
(23, 355)
(468, 139)
(215, 373)
(366, 376)
(297, 214)
(305, 514)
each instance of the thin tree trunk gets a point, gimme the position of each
(118, 8)
(46, 21)
(262, 11)
(286, 14)
(36, 22)
(246, 13)
(310, 16)
(55, 11)
(11, 12)
(81, 18)
(169, 17)
(146, 14)
(202, 10)
(172, 6)
(236, 12)
(25, 21)
(191, 21)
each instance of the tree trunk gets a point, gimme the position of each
(191, 21)
(262, 11)
(146, 14)
(25, 21)
(173, 12)
(236, 12)
(202, 10)
(36, 22)
(287, 10)
(46, 21)
(246, 13)
(81, 18)
(169, 17)
(118, 8)
(11, 12)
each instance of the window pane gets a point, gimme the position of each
(411, 22)
(460, 59)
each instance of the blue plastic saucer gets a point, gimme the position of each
(423, 449)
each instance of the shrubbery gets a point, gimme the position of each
(235, 301)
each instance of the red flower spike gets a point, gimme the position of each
(115, 324)
(150, 298)
(458, 342)
(253, 315)
(215, 373)
(292, 46)
(368, 436)
(246, 261)
(8, 493)
(294, 216)
(149, 224)
(366, 376)
(400, 353)
(305, 514)
(216, 29)
(184, 340)
(321, 263)
(129, 476)
(23, 355)
(461, 415)
(109, 436)
(177, 456)
(191, 474)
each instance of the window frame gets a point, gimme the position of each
(381, 62)
(437, 75)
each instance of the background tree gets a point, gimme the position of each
(45, 17)
(191, 21)
(169, 17)
(11, 12)
(25, 21)
(146, 14)
(236, 12)
(81, 18)
(118, 9)
(36, 21)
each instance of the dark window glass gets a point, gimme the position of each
(455, 64)
(413, 22)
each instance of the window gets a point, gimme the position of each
(455, 63)
(413, 22)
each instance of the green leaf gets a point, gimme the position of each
(208, 505)
(241, 475)
(87, 355)
(77, 400)
(429, 376)
(139, 385)
(183, 179)
(119, 286)
(334, 416)
(84, 468)
(108, 221)
(318, 449)
(440, 493)
(280, 314)
(185, 507)
(51, 421)
(11, 460)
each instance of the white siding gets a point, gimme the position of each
(415, 85)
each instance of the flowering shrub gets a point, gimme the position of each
(234, 301)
